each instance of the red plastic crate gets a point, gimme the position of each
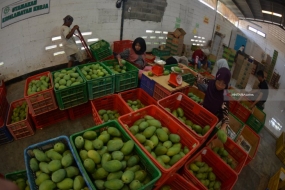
(223, 173)
(20, 129)
(40, 102)
(111, 102)
(160, 92)
(135, 94)
(253, 138)
(80, 111)
(192, 110)
(111, 57)
(177, 182)
(241, 112)
(3, 87)
(238, 155)
(3, 106)
(120, 46)
(186, 139)
(49, 118)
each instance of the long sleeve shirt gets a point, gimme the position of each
(224, 111)
(126, 54)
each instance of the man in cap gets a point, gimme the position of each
(70, 48)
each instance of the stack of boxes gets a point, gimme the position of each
(275, 80)
(174, 41)
(229, 55)
(245, 72)
(269, 68)
(238, 66)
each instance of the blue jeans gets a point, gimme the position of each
(199, 64)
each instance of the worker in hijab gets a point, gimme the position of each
(136, 55)
(215, 101)
(200, 83)
(70, 48)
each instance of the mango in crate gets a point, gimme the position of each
(115, 165)
(116, 68)
(19, 113)
(94, 71)
(225, 156)
(179, 114)
(204, 174)
(164, 146)
(22, 184)
(108, 115)
(57, 168)
(135, 104)
(38, 85)
(66, 78)
(194, 97)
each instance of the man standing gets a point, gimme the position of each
(262, 92)
(70, 48)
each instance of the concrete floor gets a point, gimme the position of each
(255, 176)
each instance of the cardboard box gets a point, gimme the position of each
(212, 58)
(179, 32)
(178, 41)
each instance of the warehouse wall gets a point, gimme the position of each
(275, 40)
(23, 43)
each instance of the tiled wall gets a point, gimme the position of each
(23, 44)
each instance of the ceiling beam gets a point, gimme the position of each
(250, 8)
(239, 8)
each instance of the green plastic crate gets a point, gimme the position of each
(100, 50)
(71, 96)
(188, 78)
(160, 53)
(16, 175)
(127, 80)
(256, 120)
(145, 162)
(101, 86)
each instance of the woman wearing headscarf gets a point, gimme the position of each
(136, 55)
(200, 83)
(215, 97)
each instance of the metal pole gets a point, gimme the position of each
(213, 34)
(122, 20)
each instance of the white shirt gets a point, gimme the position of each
(69, 45)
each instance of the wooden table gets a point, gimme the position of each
(163, 81)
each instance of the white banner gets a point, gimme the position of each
(23, 9)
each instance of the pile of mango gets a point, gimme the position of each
(99, 44)
(164, 146)
(66, 78)
(135, 105)
(179, 113)
(39, 85)
(22, 184)
(56, 169)
(225, 156)
(116, 68)
(19, 113)
(109, 115)
(110, 160)
(194, 97)
(205, 175)
(94, 71)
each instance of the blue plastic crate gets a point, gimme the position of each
(5, 135)
(44, 146)
(147, 84)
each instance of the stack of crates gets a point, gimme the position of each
(101, 50)
(229, 55)
(256, 120)
(270, 68)
(43, 109)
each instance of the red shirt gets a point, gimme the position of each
(198, 53)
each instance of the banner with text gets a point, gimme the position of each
(22, 10)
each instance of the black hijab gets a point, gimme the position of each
(141, 41)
